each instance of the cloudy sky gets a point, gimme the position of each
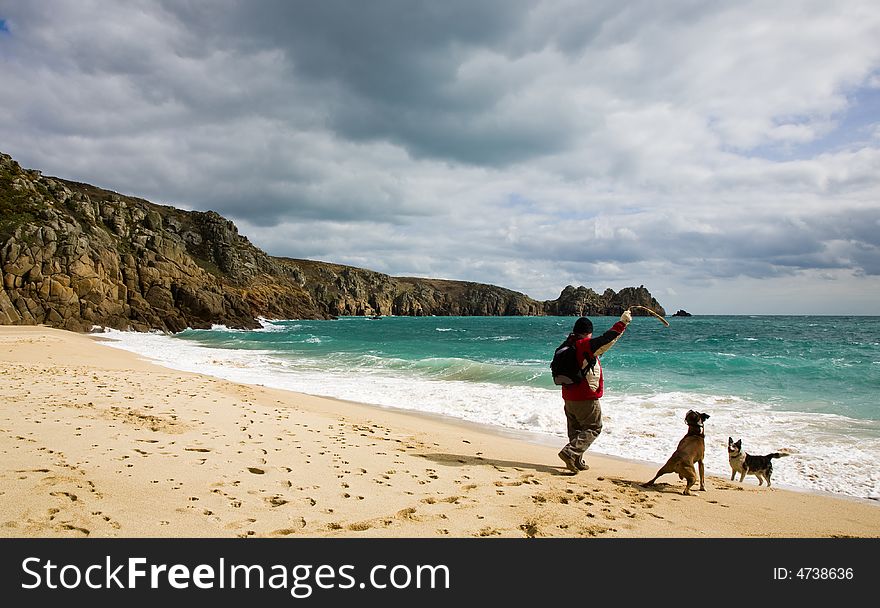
(726, 155)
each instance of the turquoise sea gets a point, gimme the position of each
(809, 385)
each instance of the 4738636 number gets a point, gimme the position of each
(824, 574)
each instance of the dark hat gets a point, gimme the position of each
(583, 326)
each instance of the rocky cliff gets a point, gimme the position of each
(74, 256)
(344, 290)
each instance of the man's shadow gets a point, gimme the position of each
(456, 460)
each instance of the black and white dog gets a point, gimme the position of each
(742, 463)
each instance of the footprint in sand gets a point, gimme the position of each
(72, 497)
(276, 501)
(289, 531)
(76, 528)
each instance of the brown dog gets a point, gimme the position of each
(690, 450)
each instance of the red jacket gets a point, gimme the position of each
(588, 348)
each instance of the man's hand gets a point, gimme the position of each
(626, 317)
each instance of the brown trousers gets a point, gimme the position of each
(584, 421)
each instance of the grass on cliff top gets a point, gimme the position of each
(15, 207)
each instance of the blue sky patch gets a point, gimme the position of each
(855, 126)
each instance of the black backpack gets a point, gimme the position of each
(564, 366)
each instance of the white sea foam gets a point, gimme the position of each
(270, 326)
(828, 452)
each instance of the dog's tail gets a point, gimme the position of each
(776, 455)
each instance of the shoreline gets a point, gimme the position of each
(173, 453)
(537, 437)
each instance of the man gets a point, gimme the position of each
(582, 412)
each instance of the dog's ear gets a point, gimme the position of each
(729, 440)
(739, 443)
(704, 417)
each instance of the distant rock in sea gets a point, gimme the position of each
(682, 313)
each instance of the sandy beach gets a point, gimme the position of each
(97, 442)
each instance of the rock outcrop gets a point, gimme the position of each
(582, 301)
(75, 256)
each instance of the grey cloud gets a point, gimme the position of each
(394, 49)
(860, 225)
(750, 245)
(867, 259)
(482, 138)
(388, 71)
